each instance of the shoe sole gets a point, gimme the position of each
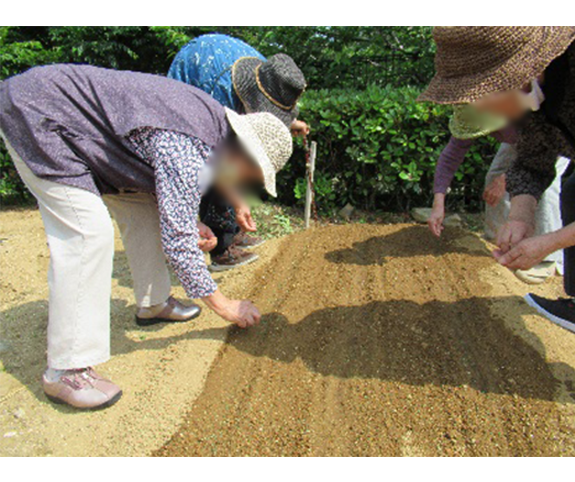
(222, 267)
(567, 325)
(157, 321)
(109, 403)
(531, 280)
(239, 246)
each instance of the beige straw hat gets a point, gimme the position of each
(267, 139)
(472, 62)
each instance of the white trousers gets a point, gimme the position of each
(548, 213)
(81, 241)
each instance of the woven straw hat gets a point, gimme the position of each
(266, 139)
(472, 62)
(272, 86)
(468, 123)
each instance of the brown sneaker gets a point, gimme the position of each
(231, 259)
(245, 241)
(82, 388)
(171, 311)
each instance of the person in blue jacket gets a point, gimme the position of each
(242, 79)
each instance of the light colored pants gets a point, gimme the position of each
(548, 213)
(81, 242)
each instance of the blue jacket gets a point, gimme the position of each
(206, 62)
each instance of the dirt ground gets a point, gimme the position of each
(161, 369)
(379, 340)
(376, 340)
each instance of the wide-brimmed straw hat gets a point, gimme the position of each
(266, 139)
(469, 123)
(271, 86)
(472, 62)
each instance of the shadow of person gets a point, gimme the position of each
(23, 340)
(437, 343)
(405, 243)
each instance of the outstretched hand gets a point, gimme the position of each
(244, 218)
(208, 240)
(512, 233)
(435, 221)
(526, 254)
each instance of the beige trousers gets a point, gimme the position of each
(81, 241)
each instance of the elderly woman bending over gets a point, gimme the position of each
(78, 134)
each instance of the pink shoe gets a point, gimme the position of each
(82, 388)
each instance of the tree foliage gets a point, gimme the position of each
(332, 59)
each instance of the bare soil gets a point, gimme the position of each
(376, 340)
(161, 369)
(380, 340)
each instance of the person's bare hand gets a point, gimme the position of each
(435, 221)
(495, 191)
(208, 240)
(241, 312)
(299, 128)
(526, 254)
(512, 233)
(244, 218)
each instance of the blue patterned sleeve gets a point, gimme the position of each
(178, 160)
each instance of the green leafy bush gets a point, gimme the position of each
(377, 149)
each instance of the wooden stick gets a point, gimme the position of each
(310, 168)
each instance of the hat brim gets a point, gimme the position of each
(253, 99)
(527, 64)
(250, 140)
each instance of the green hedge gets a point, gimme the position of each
(377, 149)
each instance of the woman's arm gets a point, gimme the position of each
(177, 160)
(449, 161)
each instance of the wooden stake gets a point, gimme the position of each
(310, 168)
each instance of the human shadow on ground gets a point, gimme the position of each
(437, 342)
(405, 243)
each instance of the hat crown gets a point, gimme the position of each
(274, 137)
(489, 47)
(282, 80)
(472, 62)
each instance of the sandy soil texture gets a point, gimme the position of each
(161, 369)
(380, 340)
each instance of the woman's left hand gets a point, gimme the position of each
(244, 218)
(208, 240)
(527, 253)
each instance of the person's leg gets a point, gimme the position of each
(562, 311)
(81, 243)
(568, 217)
(548, 214)
(139, 222)
(219, 216)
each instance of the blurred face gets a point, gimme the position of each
(234, 168)
(504, 104)
(512, 104)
